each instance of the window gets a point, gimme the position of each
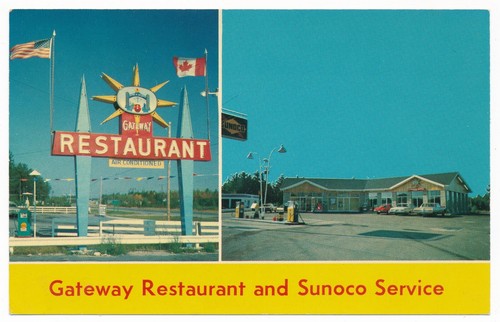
(402, 198)
(372, 199)
(434, 196)
(386, 197)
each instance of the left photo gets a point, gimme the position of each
(113, 135)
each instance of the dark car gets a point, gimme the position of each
(13, 209)
(383, 208)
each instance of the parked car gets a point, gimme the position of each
(280, 209)
(429, 209)
(383, 208)
(402, 209)
(13, 209)
(269, 207)
(364, 208)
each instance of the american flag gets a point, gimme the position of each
(39, 48)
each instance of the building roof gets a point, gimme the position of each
(370, 184)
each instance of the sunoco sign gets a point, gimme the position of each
(234, 127)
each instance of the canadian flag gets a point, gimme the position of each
(190, 66)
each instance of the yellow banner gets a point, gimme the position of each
(136, 163)
(247, 288)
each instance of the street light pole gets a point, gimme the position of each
(35, 174)
(206, 94)
(280, 149)
(250, 156)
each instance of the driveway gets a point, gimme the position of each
(357, 237)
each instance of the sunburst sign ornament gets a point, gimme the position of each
(136, 107)
(134, 100)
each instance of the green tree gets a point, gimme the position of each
(277, 193)
(250, 184)
(243, 183)
(481, 203)
(203, 199)
(206, 199)
(21, 184)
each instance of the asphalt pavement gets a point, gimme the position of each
(326, 237)
(356, 237)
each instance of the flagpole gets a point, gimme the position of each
(168, 174)
(52, 63)
(206, 94)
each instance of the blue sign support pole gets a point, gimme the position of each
(82, 167)
(185, 168)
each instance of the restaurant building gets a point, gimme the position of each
(355, 195)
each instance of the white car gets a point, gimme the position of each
(429, 209)
(402, 209)
(269, 207)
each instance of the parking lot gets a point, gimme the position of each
(356, 237)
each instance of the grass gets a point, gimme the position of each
(174, 247)
(112, 247)
(210, 247)
(41, 250)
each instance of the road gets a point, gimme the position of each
(353, 237)
(155, 212)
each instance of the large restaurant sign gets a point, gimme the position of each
(132, 147)
(136, 108)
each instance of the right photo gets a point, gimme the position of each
(355, 135)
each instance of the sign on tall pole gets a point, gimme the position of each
(185, 168)
(82, 167)
(136, 107)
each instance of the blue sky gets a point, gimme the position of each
(364, 94)
(89, 42)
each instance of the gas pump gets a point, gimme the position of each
(24, 223)
(292, 211)
(240, 210)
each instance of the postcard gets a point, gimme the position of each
(331, 161)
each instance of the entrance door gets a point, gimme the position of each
(343, 203)
(303, 204)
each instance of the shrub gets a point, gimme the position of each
(111, 246)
